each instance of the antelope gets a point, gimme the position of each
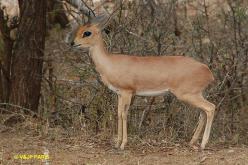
(132, 75)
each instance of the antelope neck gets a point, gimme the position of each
(100, 57)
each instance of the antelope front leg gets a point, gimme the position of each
(125, 104)
(120, 109)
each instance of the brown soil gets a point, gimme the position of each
(92, 151)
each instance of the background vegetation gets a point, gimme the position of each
(214, 32)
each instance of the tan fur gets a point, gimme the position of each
(152, 75)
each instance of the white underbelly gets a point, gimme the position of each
(141, 93)
(152, 93)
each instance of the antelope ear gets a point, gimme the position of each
(74, 25)
(100, 21)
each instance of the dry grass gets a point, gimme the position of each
(64, 147)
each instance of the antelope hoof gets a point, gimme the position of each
(122, 146)
(192, 142)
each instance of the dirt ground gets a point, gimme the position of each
(93, 151)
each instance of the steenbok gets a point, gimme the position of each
(128, 76)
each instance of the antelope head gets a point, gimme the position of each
(85, 36)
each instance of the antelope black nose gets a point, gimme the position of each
(72, 43)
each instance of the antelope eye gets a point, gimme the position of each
(86, 34)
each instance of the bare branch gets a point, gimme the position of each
(82, 7)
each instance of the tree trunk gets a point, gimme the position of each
(6, 44)
(27, 60)
(5, 70)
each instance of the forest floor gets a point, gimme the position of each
(63, 149)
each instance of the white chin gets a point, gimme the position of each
(80, 46)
